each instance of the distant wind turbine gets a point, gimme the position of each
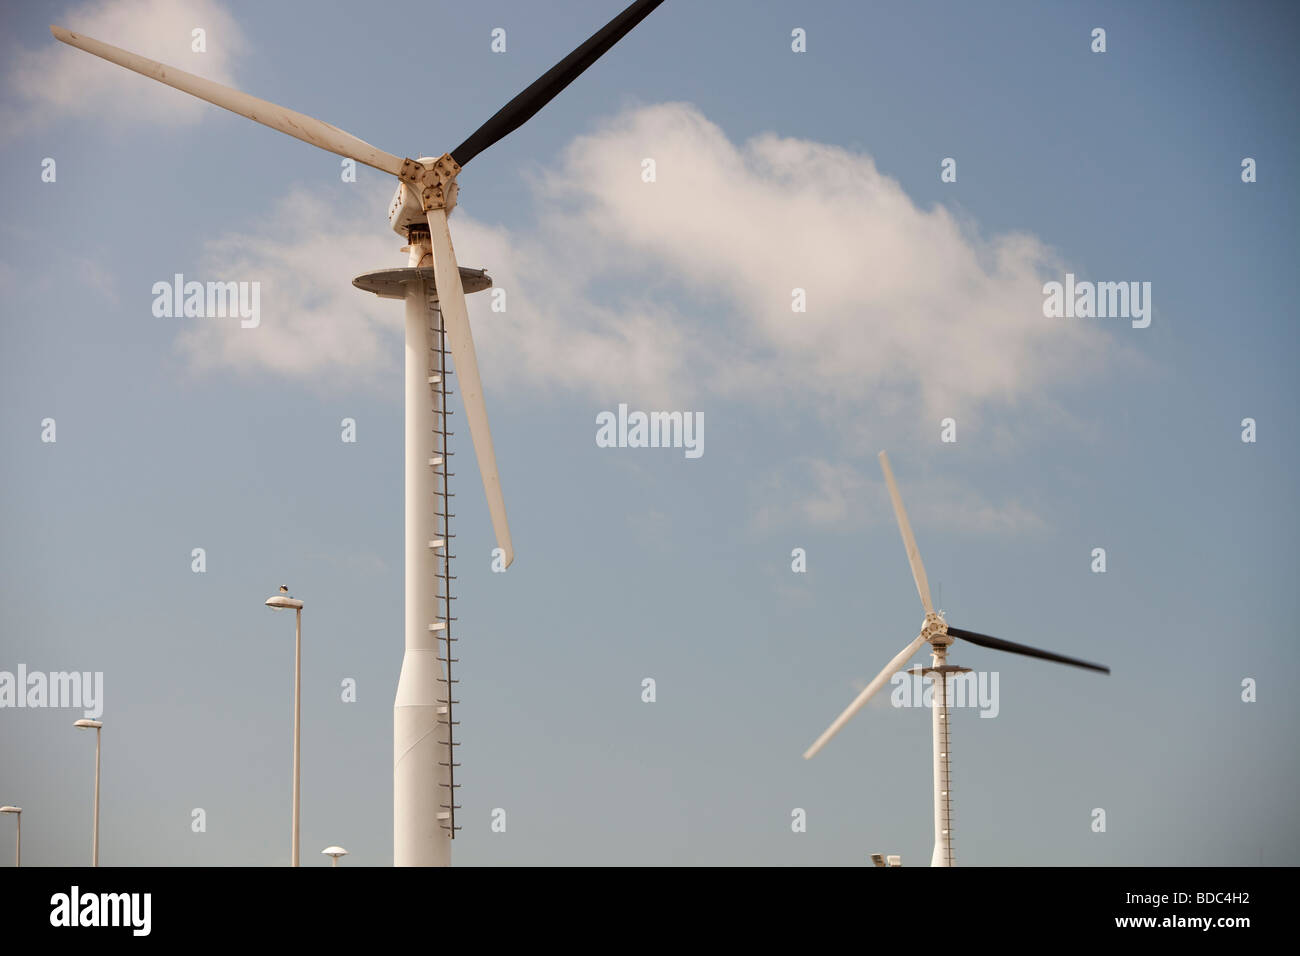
(935, 630)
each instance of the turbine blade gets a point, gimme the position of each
(997, 644)
(455, 319)
(522, 108)
(892, 668)
(909, 542)
(297, 125)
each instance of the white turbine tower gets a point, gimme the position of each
(437, 323)
(935, 631)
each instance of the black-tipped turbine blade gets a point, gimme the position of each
(983, 640)
(521, 109)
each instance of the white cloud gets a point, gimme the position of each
(57, 81)
(315, 325)
(815, 493)
(559, 331)
(836, 496)
(678, 289)
(900, 299)
(953, 505)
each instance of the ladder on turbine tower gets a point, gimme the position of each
(945, 741)
(438, 373)
(941, 701)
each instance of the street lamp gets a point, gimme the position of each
(279, 602)
(18, 854)
(97, 726)
(335, 852)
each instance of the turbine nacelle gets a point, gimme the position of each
(408, 208)
(934, 630)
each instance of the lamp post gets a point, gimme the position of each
(279, 602)
(97, 726)
(335, 852)
(18, 853)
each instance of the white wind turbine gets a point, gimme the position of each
(437, 322)
(935, 630)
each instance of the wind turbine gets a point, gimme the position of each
(437, 322)
(935, 630)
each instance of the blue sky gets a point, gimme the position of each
(776, 170)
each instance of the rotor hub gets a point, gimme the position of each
(425, 184)
(935, 630)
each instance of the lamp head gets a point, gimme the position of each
(282, 600)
